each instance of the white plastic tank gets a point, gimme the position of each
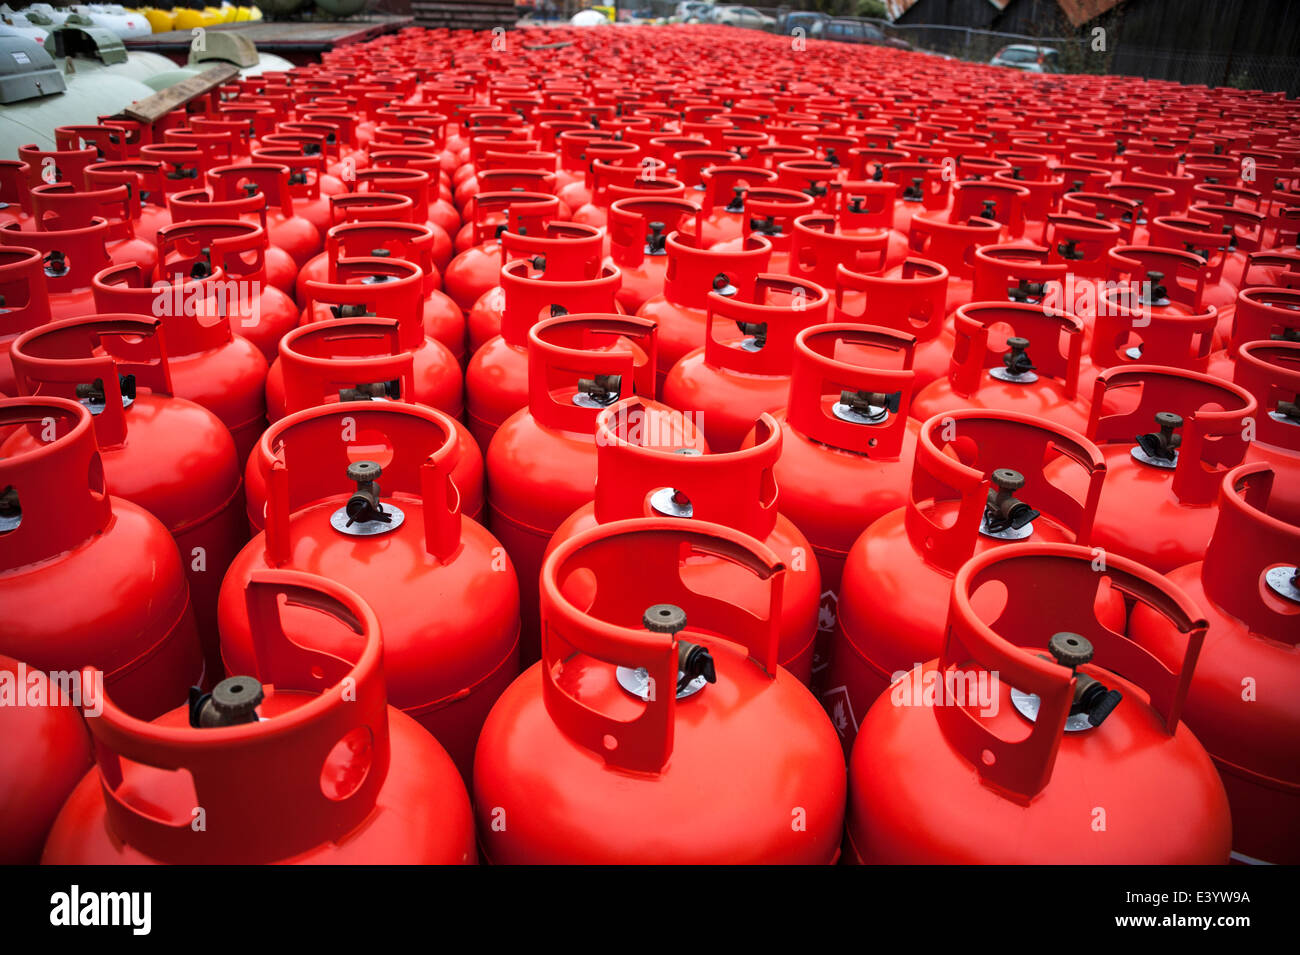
(116, 19)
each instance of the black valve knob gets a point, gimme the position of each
(737, 203)
(1070, 649)
(990, 209)
(232, 702)
(694, 661)
(654, 242)
(1003, 511)
(664, 618)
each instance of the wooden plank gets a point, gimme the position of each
(153, 108)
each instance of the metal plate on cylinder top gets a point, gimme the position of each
(339, 521)
(1279, 580)
(1138, 454)
(637, 682)
(1009, 534)
(1024, 378)
(664, 501)
(873, 415)
(1027, 705)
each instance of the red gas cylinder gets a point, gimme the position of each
(60, 165)
(639, 476)
(1012, 356)
(385, 288)
(1261, 313)
(325, 383)
(1151, 311)
(209, 364)
(979, 481)
(638, 240)
(395, 541)
(477, 265)
(340, 776)
(496, 379)
(197, 204)
(909, 298)
(953, 246)
(441, 210)
(693, 273)
(559, 251)
(1014, 756)
(71, 257)
(772, 214)
(15, 203)
(60, 206)
(443, 320)
(584, 762)
(923, 187)
(26, 304)
(65, 536)
(724, 200)
(541, 462)
(309, 187)
(733, 379)
(1271, 372)
(847, 445)
(1207, 241)
(168, 455)
(414, 184)
(1000, 202)
(298, 236)
(1158, 504)
(257, 309)
(1242, 703)
(46, 753)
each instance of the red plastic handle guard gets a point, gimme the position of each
(969, 196)
(192, 319)
(999, 268)
(528, 296)
(271, 179)
(1262, 313)
(22, 286)
(54, 359)
(85, 252)
(821, 245)
(322, 358)
(399, 296)
(531, 210)
(371, 207)
(809, 304)
(955, 453)
(247, 819)
(1213, 439)
(312, 454)
(1247, 227)
(236, 247)
(1195, 236)
(1093, 239)
(720, 182)
(61, 507)
(563, 349)
(1185, 274)
(1117, 210)
(638, 562)
(952, 244)
(571, 251)
(1276, 268)
(935, 189)
(1270, 371)
(194, 204)
(401, 240)
(59, 206)
(1248, 539)
(692, 268)
(1019, 770)
(818, 377)
(735, 489)
(1044, 327)
(912, 301)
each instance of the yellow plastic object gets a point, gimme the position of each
(254, 13)
(242, 14)
(608, 11)
(228, 13)
(160, 21)
(187, 18)
(212, 16)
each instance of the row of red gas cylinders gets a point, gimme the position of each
(757, 382)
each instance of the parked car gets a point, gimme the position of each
(811, 22)
(1031, 59)
(847, 30)
(694, 11)
(743, 17)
